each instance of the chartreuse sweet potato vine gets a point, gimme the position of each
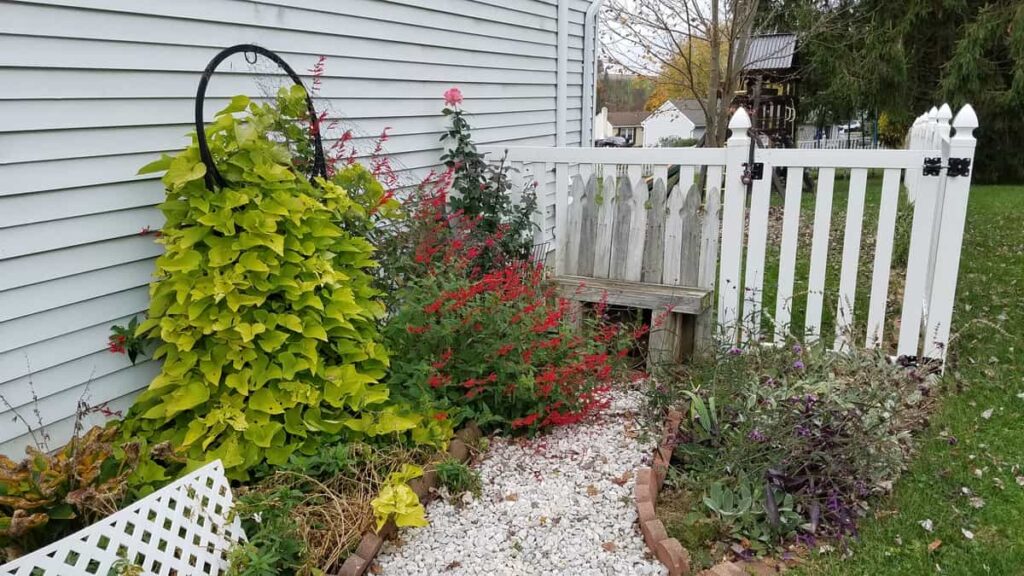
(264, 304)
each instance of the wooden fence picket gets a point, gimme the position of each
(570, 245)
(851, 257)
(588, 225)
(787, 253)
(619, 250)
(639, 200)
(757, 240)
(605, 218)
(880, 273)
(654, 239)
(819, 253)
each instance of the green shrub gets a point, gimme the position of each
(48, 496)
(482, 193)
(496, 347)
(676, 142)
(274, 542)
(457, 477)
(789, 442)
(263, 301)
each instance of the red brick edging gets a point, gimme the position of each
(649, 481)
(358, 563)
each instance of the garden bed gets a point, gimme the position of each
(785, 449)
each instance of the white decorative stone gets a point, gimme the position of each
(554, 525)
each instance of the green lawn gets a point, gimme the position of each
(962, 454)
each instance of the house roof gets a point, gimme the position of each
(771, 52)
(620, 119)
(692, 110)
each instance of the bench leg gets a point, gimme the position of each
(704, 332)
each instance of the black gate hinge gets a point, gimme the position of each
(753, 171)
(959, 167)
(932, 166)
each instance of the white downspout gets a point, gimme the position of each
(589, 72)
(562, 73)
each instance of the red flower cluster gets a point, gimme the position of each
(497, 341)
(117, 344)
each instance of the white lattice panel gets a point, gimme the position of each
(179, 530)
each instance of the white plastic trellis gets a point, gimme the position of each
(181, 529)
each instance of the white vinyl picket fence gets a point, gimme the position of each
(935, 170)
(185, 528)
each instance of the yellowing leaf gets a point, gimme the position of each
(264, 401)
(249, 331)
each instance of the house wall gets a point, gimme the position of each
(90, 90)
(666, 121)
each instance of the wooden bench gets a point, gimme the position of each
(630, 242)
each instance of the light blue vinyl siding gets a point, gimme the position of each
(90, 90)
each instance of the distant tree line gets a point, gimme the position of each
(894, 60)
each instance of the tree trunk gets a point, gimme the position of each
(711, 131)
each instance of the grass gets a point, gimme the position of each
(962, 454)
(798, 304)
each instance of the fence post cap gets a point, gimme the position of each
(944, 113)
(740, 119)
(966, 119)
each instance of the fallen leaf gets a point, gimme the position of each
(592, 491)
(934, 545)
(967, 533)
(1020, 480)
(543, 520)
(512, 497)
(987, 414)
(609, 546)
(927, 524)
(621, 480)
(977, 502)
(376, 569)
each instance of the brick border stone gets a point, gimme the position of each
(359, 562)
(649, 481)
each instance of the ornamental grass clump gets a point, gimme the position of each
(784, 444)
(263, 304)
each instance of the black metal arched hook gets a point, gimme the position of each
(213, 177)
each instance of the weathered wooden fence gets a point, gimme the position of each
(684, 201)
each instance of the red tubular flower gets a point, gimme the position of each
(506, 349)
(416, 329)
(438, 380)
(441, 416)
(525, 421)
(641, 331)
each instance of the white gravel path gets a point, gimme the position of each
(549, 506)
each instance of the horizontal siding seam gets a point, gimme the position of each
(315, 32)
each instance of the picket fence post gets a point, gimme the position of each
(737, 150)
(953, 213)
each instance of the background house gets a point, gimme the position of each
(629, 125)
(93, 90)
(679, 119)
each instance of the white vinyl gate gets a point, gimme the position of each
(935, 170)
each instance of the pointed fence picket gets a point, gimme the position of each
(693, 217)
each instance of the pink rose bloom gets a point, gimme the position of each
(453, 97)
